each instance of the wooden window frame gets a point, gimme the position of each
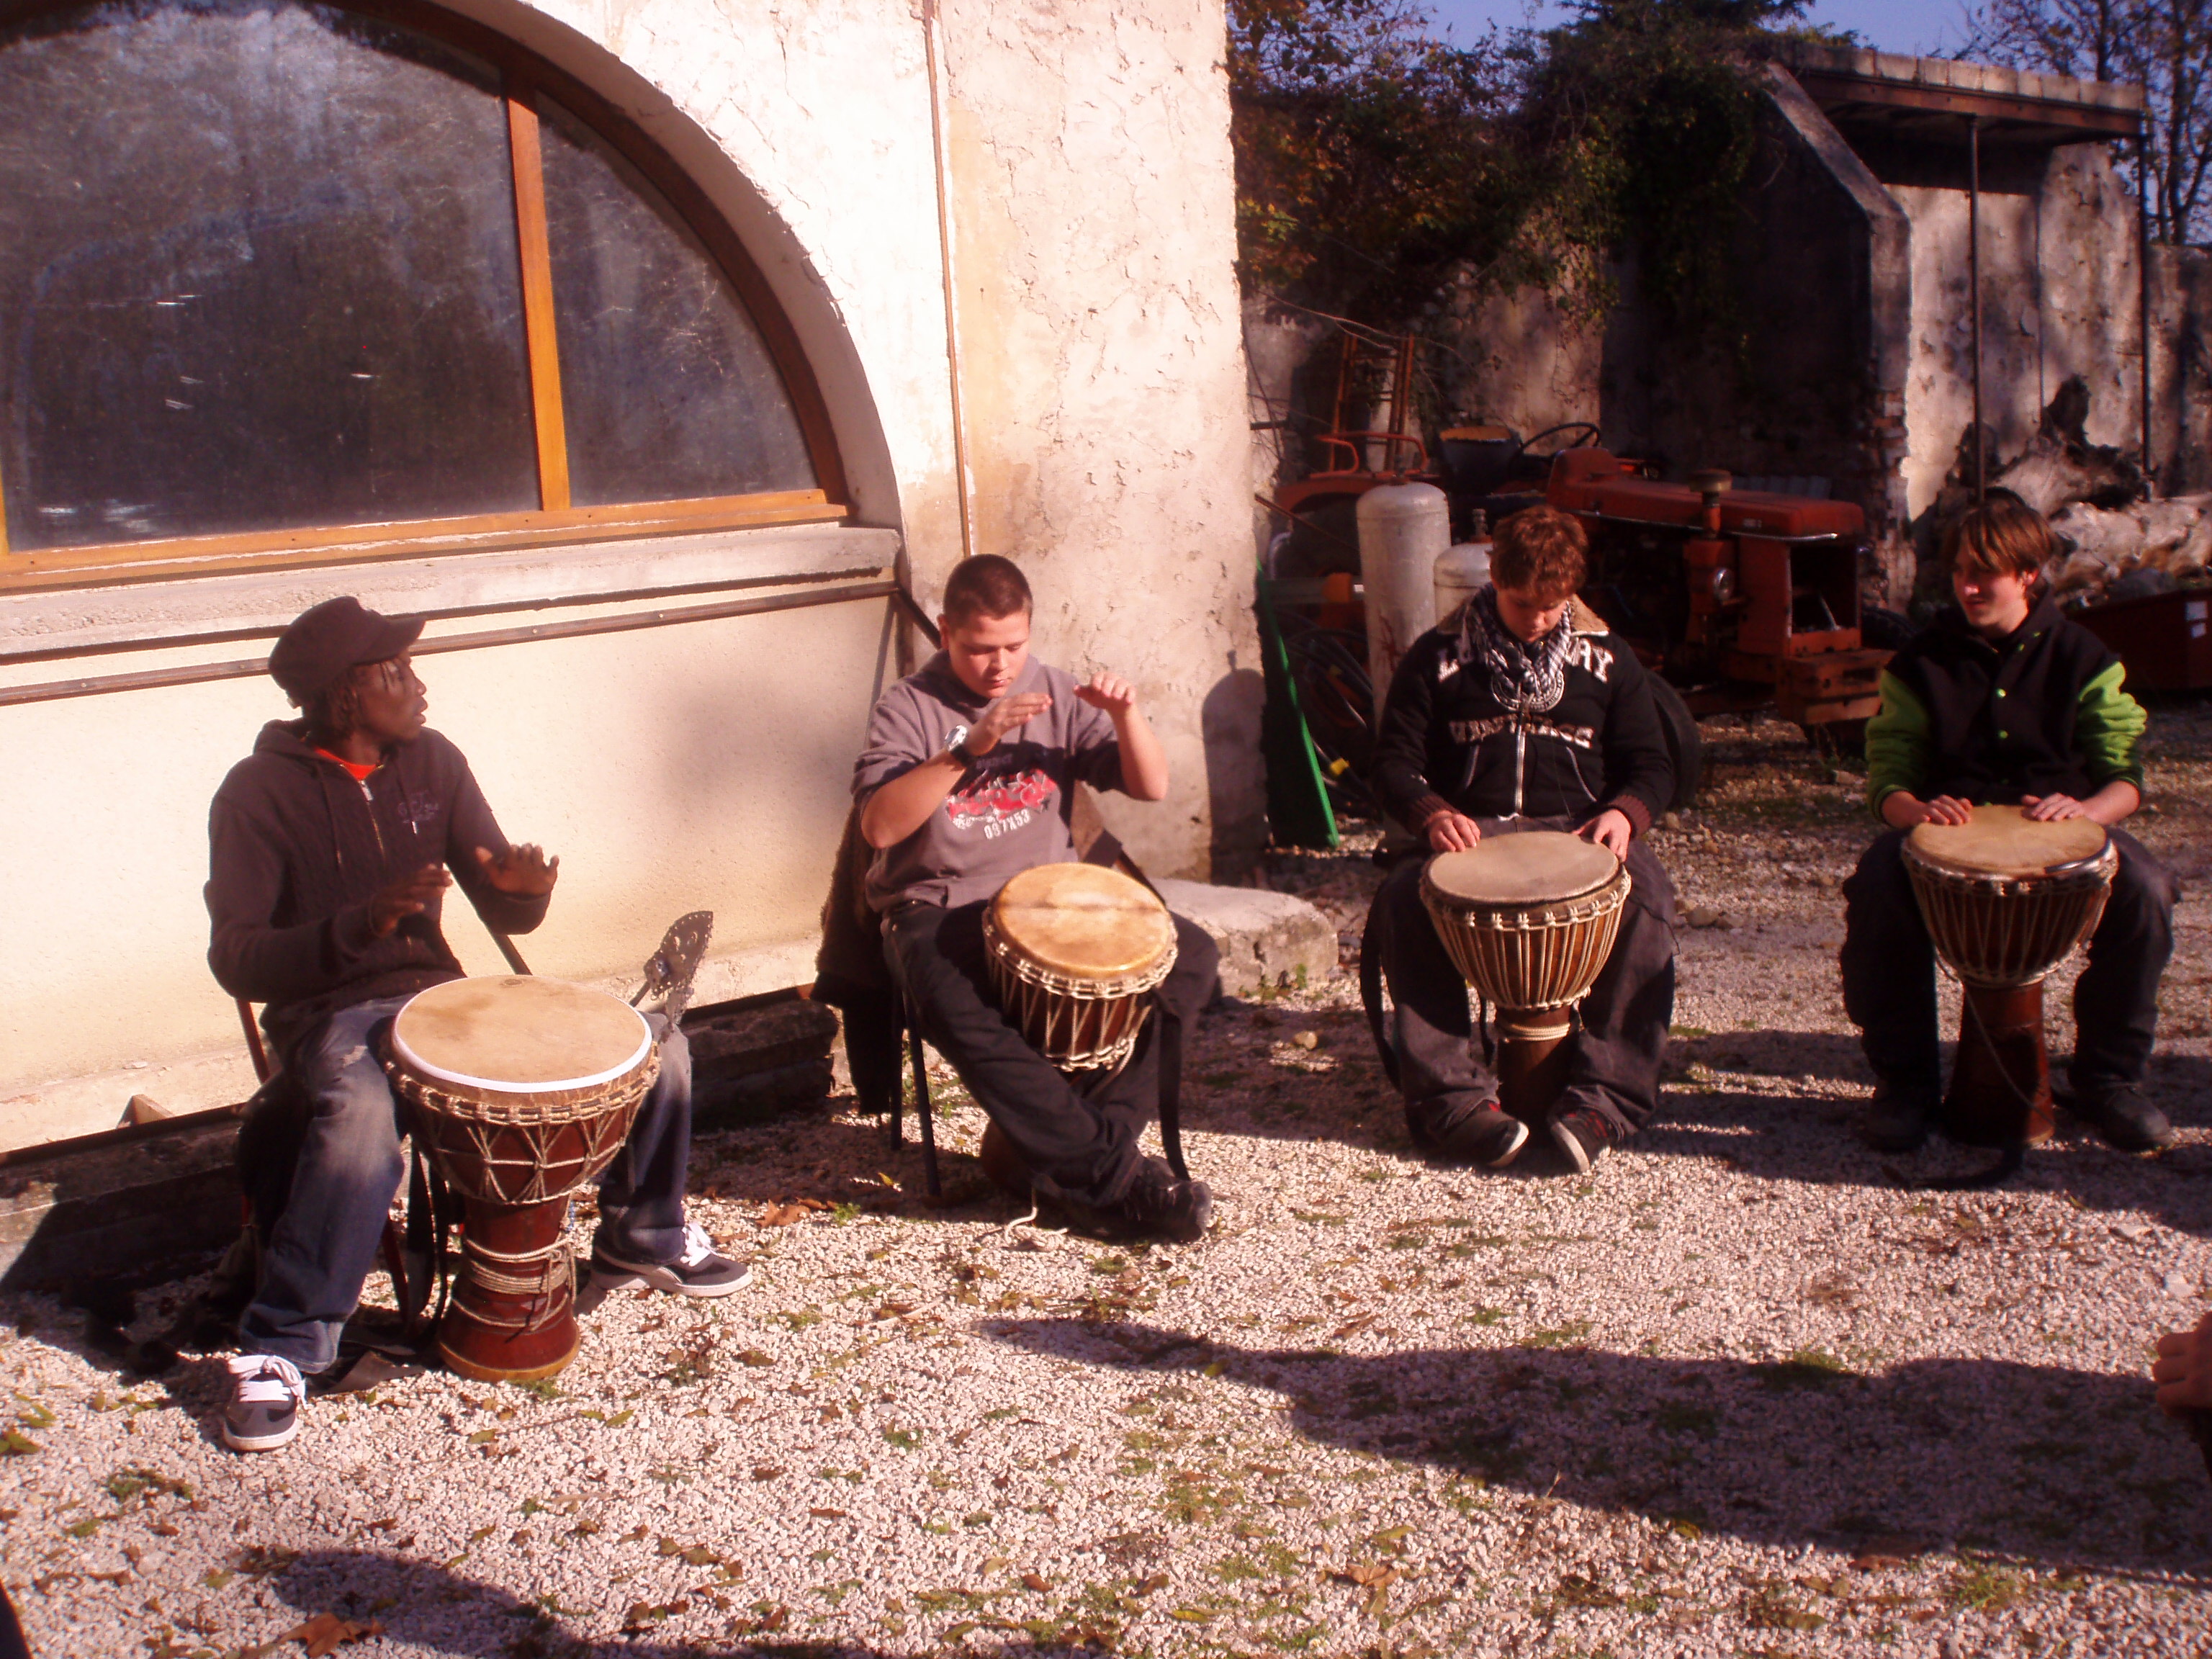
(523, 77)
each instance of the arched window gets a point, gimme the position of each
(279, 280)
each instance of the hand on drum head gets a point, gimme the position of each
(1451, 832)
(2184, 1371)
(1612, 830)
(1903, 809)
(524, 871)
(2048, 809)
(409, 895)
(1007, 715)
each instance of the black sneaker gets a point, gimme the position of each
(1160, 1203)
(265, 1395)
(1899, 1117)
(1473, 1132)
(700, 1271)
(1584, 1136)
(2125, 1120)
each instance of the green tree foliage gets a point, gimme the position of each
(1373, 162)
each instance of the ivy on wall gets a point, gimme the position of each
(1375, 164)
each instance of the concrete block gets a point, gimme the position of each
(751, 1063)
(129, 1201)
(1265, 938)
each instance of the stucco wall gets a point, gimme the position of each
(1090, 194)
(2058, 299)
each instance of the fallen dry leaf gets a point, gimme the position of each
(782, 1215)
(325, 1633)
(1035, 1581)
(1367, 1576)
(827, 1515)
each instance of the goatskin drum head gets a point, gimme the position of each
(1084, 921)
(1539, 867)
(2004, 840)
(519, 1035)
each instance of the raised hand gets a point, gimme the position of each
(524, 871)
(1109, 692)
(409, 895)
(1008, 714)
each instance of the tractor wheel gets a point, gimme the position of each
(1686, 746)
(1885, 630)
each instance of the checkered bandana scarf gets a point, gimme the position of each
(1526, 679)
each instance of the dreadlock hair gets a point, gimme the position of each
(332, 711)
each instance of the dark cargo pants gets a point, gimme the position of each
(1078, 1139)
(1889, 972)
(1621, 1034)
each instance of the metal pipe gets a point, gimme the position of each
(2142, 296)
(449, 613)
(1974, 279)
(200, 673)
(933, 61)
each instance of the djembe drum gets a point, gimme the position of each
(1528, 920)
(2006, 900)
(1076, 951)
(523, 1090)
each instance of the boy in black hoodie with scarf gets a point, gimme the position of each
(329, 851)
(1521, 712)
(2003, 701)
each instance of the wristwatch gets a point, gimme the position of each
(955, 744)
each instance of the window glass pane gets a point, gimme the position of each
(666, 386)
(257, 270)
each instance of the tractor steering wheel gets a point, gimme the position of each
(1586, 433)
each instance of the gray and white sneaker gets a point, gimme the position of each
(699, 1271)
(265, 1396)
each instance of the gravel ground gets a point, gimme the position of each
(1743, 1391)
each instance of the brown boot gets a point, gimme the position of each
(1002, 1163)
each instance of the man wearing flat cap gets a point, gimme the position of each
(331, 849)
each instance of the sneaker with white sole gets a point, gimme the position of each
(265, 1396)
(700, 1271)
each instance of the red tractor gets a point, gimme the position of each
(1741, 598)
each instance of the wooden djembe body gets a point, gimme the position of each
(523, 1090)
(1529, 919)
(2006, 899)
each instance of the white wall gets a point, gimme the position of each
(1089, 190)
(2058, 299)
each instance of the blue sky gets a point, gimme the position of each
(1928, 27)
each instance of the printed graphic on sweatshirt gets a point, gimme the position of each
(1000, 803)
(1586, 653)
(1535, 725)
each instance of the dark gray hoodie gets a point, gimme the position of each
(296, 850)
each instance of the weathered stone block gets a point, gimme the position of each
(750, 1063)
(1265, 938)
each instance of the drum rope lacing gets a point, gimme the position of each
(556, 1275)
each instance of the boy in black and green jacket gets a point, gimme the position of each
(2002, 701)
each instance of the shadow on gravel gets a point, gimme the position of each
(2058, 1467)
(434, 1610)
(1813, 1138)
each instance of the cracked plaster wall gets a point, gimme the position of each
(1107, 426)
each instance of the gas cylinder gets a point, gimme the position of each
(1403, 528)
(1463, 568)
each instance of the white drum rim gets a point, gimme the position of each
(425, 1069)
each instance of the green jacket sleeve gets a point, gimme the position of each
(1897, 744)
(2108, 724)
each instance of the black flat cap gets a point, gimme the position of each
(322, 646)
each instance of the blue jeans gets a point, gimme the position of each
(350, 1166)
